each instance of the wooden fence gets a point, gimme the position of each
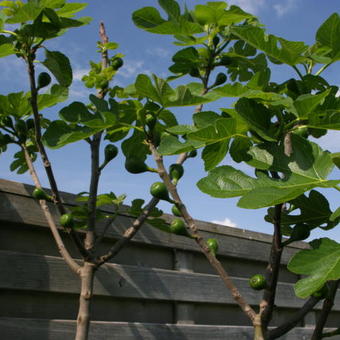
(159, 287)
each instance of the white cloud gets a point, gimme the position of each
(284, 7)
(227, 222)
(79, 92)
(131, 68)
(251, 6)
(79, 73)
(158, 52)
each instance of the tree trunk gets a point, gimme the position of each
(83, 319)
(258, 332)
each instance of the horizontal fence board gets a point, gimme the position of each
(28, 329)
(47, 273)
(24, 210)
(25, 190)
(240, 267)
(45, 305)
(39, 240)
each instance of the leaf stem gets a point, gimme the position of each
(297, 71)
(324, 67)
(9, 32)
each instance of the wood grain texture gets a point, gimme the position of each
(26, 329)
(184, 312)
(50, 274)
(25, 190)
(24, 210)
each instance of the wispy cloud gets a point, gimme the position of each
(79, 73)
(158, 52)
(251, 6)
(284, 7)
(131, 68)
(227, 222)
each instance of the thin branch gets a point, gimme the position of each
(47, 165)
(128, 234)
(293, 320)
(199, 239)
(332, 333)
(92, 202)
(317, 73)
(106, 227)
(95, 167)
(272, 270)
(136, 225)
(60, 243)
(326, 308)
(273, 267)
(298, 71)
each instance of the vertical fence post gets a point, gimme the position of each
(184, 311)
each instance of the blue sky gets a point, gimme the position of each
(148, 53)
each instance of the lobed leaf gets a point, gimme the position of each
(320, 265)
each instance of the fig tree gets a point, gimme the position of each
(150, 120)
(221, 78)
(66, 220)
(110, 152)
(159, 190)
(216, 40)
(40, 194)
(257, 282)
(322, 292)
(300, 232)
(177, 226)
(135, 165)
(176, 211)
(212, 245)
(192, 153)
(44, 79)
(117, 63)
(176, 171)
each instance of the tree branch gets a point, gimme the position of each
(60, 244)
(128, 234)
(106, 227)
(95, 166)
(326, 308)
(293, 320)
(198, 238)
(332, 333)
(272, 271)
(42, 152)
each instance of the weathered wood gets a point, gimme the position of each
(24, 210)
(38, 240)
(140, 287)
(240, 267)
(26, 329)
(47, 273)
(26, 190)
(184, 311)
(46, 305)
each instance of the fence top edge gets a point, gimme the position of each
(24, 189)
